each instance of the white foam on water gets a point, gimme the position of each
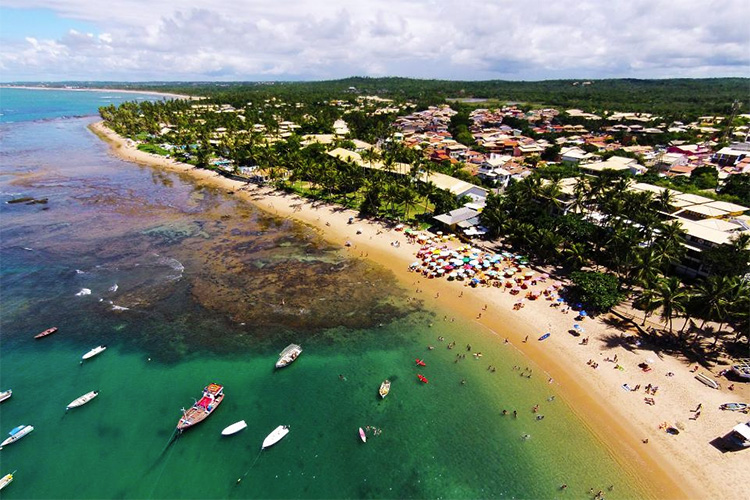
(119, 308)
(175, 265)
(84, 291)
(113, 288)
(78, 271)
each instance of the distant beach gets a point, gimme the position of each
(69, 89)
(597, 378)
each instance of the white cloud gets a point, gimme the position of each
(469, 39)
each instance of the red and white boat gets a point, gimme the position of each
(212, 397)
(422, 378)
(362, 435)
(48, 331)
(419, 362)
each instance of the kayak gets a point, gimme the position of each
(362, 435)
(545, 336)
(234, 428)
(422, 378)
(420, 362)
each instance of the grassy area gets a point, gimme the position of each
(153, 148)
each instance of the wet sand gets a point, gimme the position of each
(683, 466)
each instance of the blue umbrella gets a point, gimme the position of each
(577, 326)
(560, 299)
(583, 314)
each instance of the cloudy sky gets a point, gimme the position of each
(138, 40)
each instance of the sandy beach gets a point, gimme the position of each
(144, 92)
(675, 466)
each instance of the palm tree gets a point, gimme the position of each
(664, 201)
(575, 255)
(671, 297)
(670, 241)
(647, 268)
(710, 296)
(408, 198)
(649, 303)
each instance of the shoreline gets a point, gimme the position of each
(684, 466)
(143, 92)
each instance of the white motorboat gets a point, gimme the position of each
(6, 480)
(362, 435)
(288, 355)
(93, 352)
(5, 395)
(276, 435)
(82, 400)
(17, 434)
(234, 428)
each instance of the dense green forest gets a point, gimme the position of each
(672, 98)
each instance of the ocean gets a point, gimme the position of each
(187, 286)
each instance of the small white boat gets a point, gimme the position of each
(385, 388)
(17, 434)
(234, 428)
(93, 352)
(82, 400)
(705, 379)
(5, 395)
(288, 355)
(362, 435)
(6, 480)
(276, 435)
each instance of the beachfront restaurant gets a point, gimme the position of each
(463, 221)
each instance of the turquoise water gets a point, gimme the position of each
(20, 105)
(213, 291)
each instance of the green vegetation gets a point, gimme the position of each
(154, 149)
(626, 251)
(600, 291)
(672, 98)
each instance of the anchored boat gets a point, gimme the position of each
(276, 435)
(17, 434)
(212, 397)
(5, 395)
(288, 355)
(234, 428)
(6, 480)
(362, 435)
(93, 352)
(48, 331)
(385, 388)
(82, 400)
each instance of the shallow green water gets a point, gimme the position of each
(214, 291)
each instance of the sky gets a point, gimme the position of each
(257, 40)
